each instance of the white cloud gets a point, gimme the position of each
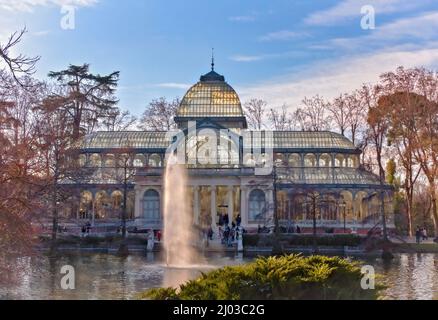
(15, 14)
(348, 9)
(29, 5)
(245, 58)
(41, 33)
(248, 18)
(281, 35)
(259, 57)
(423, 27)
(329, 78)
(173, 85)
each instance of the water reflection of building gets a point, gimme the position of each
(325, 164)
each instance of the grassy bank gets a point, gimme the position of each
(92, 241)
(290, 277)
(267, 240)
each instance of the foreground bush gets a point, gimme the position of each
(288, 277)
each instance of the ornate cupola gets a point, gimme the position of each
(212, 98)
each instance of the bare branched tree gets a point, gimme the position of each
(281, 120)
(378, 127)
(118, 120)
(19, 65)
(20, 182)
(159, 115)
(339, 110)
(357, 119)
(313, 115)
(255, 110)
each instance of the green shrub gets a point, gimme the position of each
(290, 277)
(91, 240)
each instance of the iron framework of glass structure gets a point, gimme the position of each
(316, 160)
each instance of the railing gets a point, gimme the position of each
(200, 171)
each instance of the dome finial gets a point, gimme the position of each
(212, 59)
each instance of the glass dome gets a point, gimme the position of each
(211, 97)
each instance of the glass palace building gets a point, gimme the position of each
(297, 174)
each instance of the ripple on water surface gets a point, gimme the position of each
(102, 276)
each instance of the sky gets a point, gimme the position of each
(280, 51)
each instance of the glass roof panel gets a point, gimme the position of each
(116, 140)
(211, 99)
(349, 176)
(301, 139)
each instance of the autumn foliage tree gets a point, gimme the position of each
(20, 184)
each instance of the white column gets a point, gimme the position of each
(270, 202)
(196, 204)
(137, 209)
(244, 206)
(93, 213)
(213, 209)
(231, 204)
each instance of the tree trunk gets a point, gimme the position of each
(409, 216)
(125, 195)
(54, 211)
(382, 204)
(434, 211)
(382, 177)
(315, 246)
(409, 207)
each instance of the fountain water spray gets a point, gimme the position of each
(179, 234)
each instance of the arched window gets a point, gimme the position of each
(139, 161)
(310, 160)
(95, 160)
(110, 161)
(257, 205)
(279, 160)
(352, 161)
(155, 161)
(151, 205)
(295, 160)
(325, 160)
(82, 160)
(339, 161)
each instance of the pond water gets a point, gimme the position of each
(103, 276)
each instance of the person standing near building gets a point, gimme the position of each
(418, 235)
(226, 220)
(239, 220)
(424, 233)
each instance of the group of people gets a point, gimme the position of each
(421, 234)
(224, 220)
(85, 230)
(228, 234)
